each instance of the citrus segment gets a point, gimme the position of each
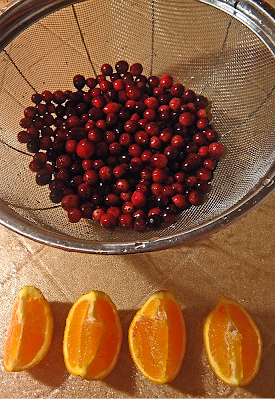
(157, 337)
(233, 343)
(30, 330)
(92, 337)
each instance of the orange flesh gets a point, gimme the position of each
(158, 338)
(233, 342)
(27, 333)
(93, 337)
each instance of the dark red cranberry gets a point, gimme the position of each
(79, 81)
(136, 69)
(121, 67)
(33, 145)
(36, 98)
(195, 197)
(126, 221)
(87, 210)
(74, 215)
(56, 196)
(139, 225)
(43, 177)
(189, 96)
(23, 137)
(106, 69)
(154, 221)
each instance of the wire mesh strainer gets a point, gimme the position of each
(221, 49)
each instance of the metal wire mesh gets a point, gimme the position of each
(205, 48)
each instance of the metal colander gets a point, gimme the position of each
(221, 49)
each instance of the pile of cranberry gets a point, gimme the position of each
(129, 151)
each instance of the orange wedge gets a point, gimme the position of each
(92, 337)
(233, 343)
(157, 337)
(30, 330)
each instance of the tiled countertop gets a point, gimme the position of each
(237, 261)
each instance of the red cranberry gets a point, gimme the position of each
(177, 90)
(159, 175)
(70, 201)
(91, 176)
(47, 96)
(79, 81)
(180, 201)
(86, 210)
(154, 221)
(195, 197)
(166, 81)
(136, 69)
(126, 221)
(74, 215)
(108, 221)
(139, 225)
(216, 150)
(85, 148)
(139, 199)
(122, 67)
(105, 173)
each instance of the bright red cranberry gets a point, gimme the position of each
(175, 103)
(156, 188)
(166, 81)
(202, 123)
(139, 199)
(216, 150)
(105, 173)
(135, 150)
(85, 148)
(122, 185)
(141, 138)
(146, 155)
(177, 141)
(159, 175)
(203, 174)
(180, 201)
(108, 221)
(134, 93)
(158, 160)
(177, 90)
(211, 135)
(87, 164)
(210, 164)
(128, 208)
(98, 213)
(115, 211)
(99, 102)
(187, 119)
